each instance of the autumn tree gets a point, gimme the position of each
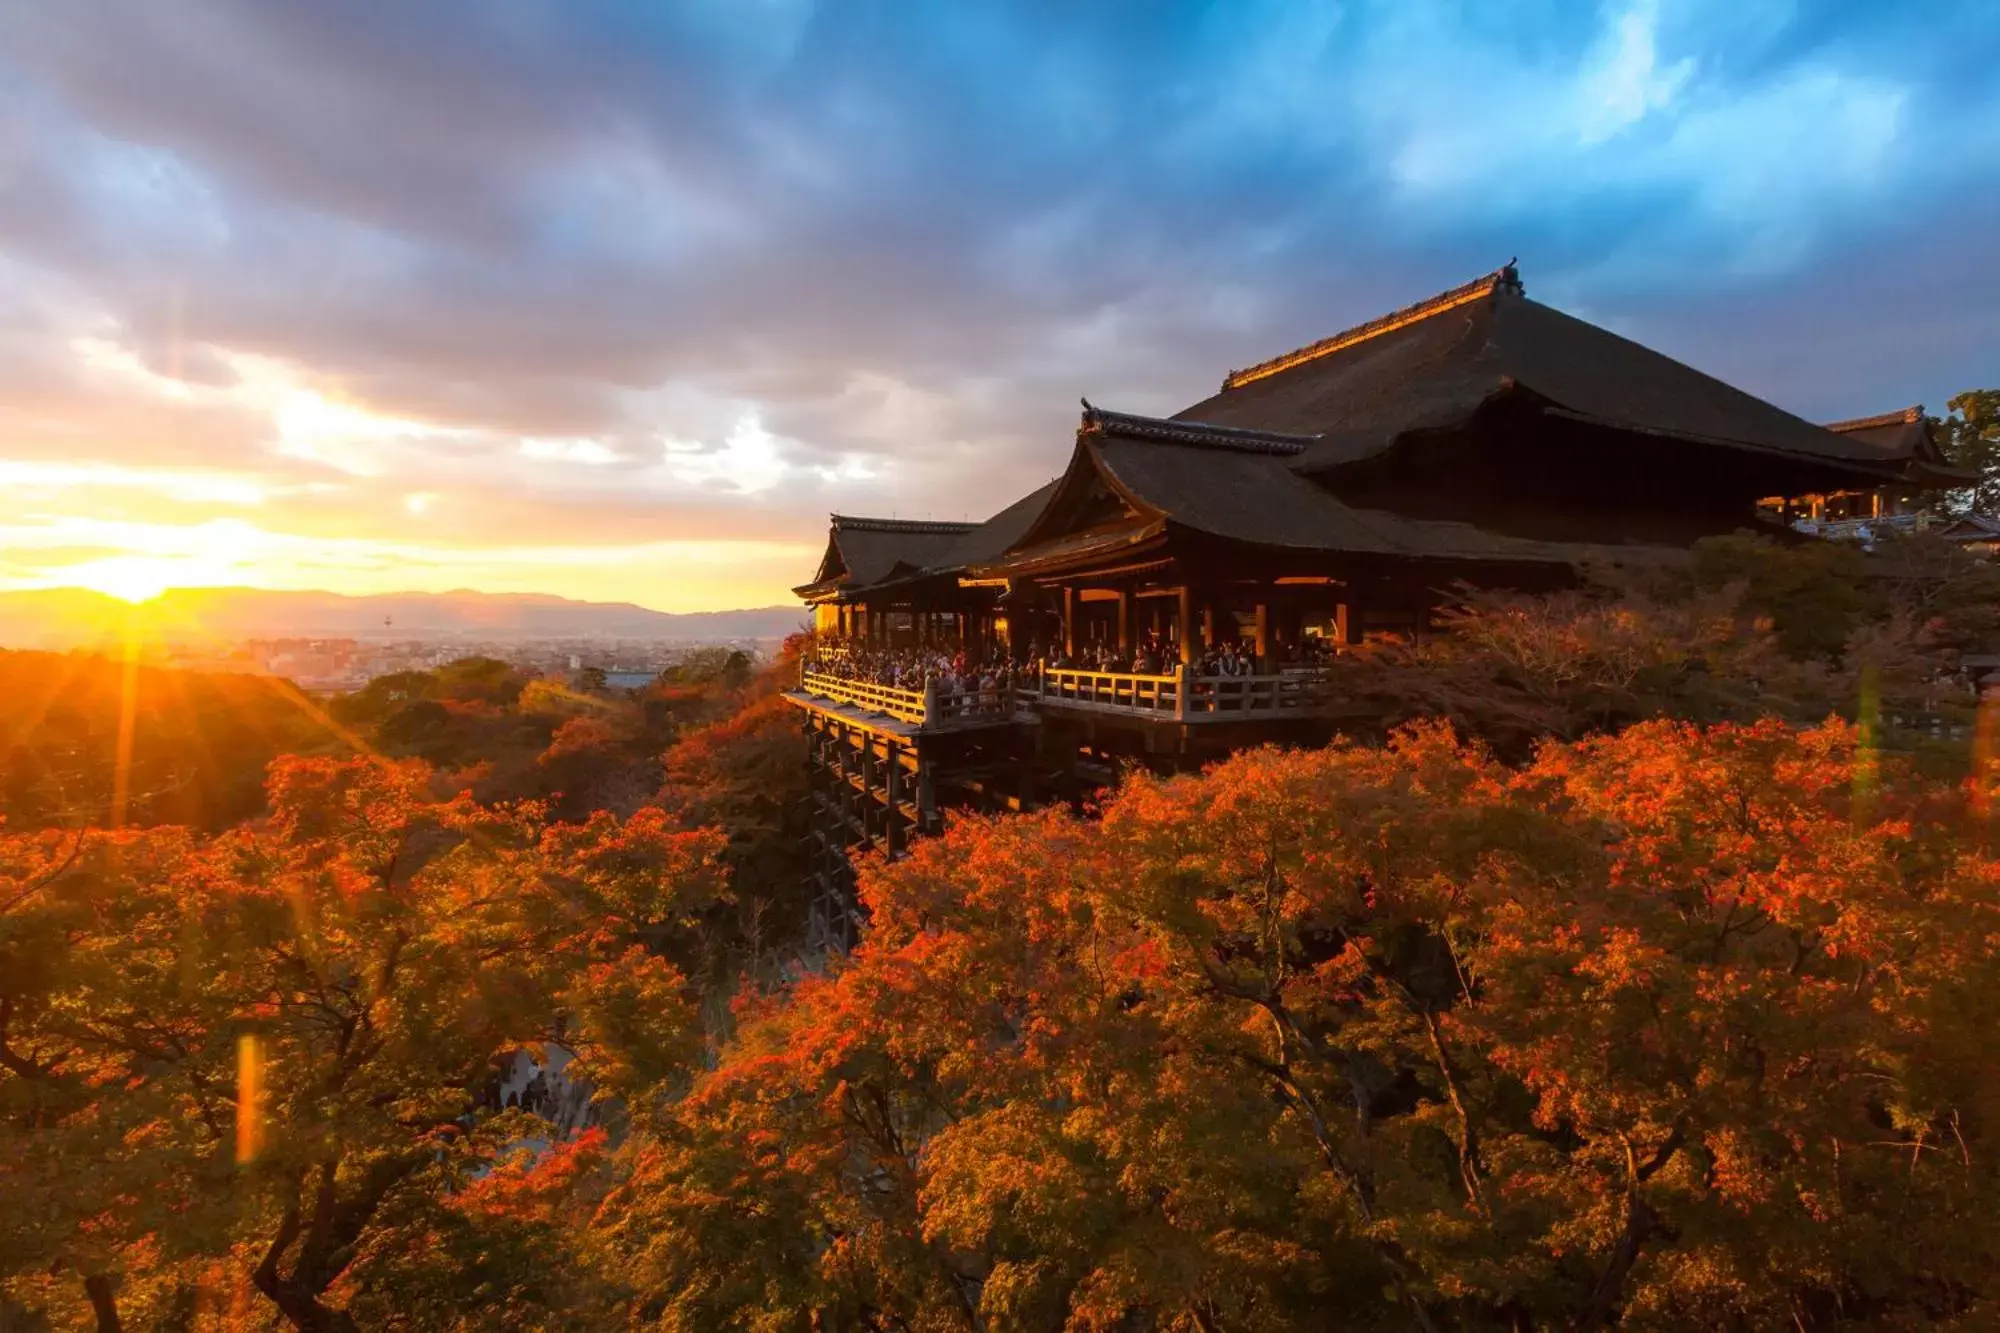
(746, 776)
(1674, 1027)
(277, 1043)
(1749, 628)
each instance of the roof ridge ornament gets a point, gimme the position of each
(1907, 416)
(859, 523)
(1201, 434)
(1506, 278)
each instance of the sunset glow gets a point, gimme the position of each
(572, 340)
(1178, 667)
(132, 579)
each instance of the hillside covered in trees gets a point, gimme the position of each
(1638, 969)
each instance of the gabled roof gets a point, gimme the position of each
(1001, 531)
(865, 553)
(1905, 433)
(1971, 527)
(1435, 363)
(1241, 486)
(861, 552)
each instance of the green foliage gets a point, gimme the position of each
(199, 740)
(713, 664)
(1969, 437)
(479, 680)
(1815, 595)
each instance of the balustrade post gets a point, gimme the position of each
(930, 698)
(1181, 687)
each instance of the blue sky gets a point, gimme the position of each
(619, 299)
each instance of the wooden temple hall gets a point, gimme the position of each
(1336, 491)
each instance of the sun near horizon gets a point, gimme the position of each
(132, 581)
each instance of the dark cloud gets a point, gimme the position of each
(875, 252)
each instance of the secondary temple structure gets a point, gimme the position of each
(1340, 490)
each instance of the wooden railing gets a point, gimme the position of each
(1185, 698)
(930, 706)
(1170, 698)
(1850, 528)
(1109, 689)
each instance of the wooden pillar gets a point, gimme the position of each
(893, 813)
(1124, 621)
(1069, 620)
(1190, 632)
(1347, 620)
(1264, 635)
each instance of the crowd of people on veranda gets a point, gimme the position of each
(952, 671)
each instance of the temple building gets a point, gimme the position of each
(1336, 491)
(1899, 507)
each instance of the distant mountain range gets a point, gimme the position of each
(63, 616)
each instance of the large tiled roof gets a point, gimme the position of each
(1435, 363)
(996, 534)
(1224, 482)
(1258, 463)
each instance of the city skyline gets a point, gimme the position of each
(616, 303)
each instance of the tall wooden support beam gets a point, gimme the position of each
(892, 772)
(1347, 620)
(1264, 634)
(1069, 620)
(1190, 632)
(1124, 621)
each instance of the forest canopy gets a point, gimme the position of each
(1639, 971)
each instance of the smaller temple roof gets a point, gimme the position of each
(861, 552)
(1904, 433)
(1906, 436)
(865, 553)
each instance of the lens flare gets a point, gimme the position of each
(128, 717)
(249, 1098)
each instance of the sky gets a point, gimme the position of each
(618, 300)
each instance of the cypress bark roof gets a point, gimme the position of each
(1905, 433)
(1435, 363)
(1177, 473)
(1258, 462)
(865, 553)
(861, 552)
